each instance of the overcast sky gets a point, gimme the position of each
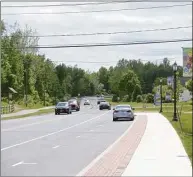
(107, 22)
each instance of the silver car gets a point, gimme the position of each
(123, 112)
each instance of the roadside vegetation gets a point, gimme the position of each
(40, 112)
(130, 80)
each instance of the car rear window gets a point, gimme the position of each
(62, 104)
(123, 107)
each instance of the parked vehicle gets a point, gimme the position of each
(123, 112)
(63, 107)
(104, 105)
(75, 105)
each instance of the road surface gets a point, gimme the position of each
(57, 145)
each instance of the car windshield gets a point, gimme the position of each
(62, 104)
(123, 107)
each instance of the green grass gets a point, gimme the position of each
(3, 103)
(40, 112)
(35, 106)
(186, 135)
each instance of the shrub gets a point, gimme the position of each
(115, 98)
(150, 98)
(125, 98)
(139, 98)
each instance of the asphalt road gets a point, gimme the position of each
(57, 145)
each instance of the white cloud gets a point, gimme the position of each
(108, 22)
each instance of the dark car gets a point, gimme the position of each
(63, 107)
(74, 104)
(104, 105)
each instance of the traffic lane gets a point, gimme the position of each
(75, 149)
(25, 133)
(5, 124)
(13, 125)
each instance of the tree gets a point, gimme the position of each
(136, 92)
(189, 85)
(128, 82)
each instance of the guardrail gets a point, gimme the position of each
(7, 109)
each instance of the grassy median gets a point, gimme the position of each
(40, 112)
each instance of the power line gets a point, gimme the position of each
(101, 62)
(107, 44)
(96, 11)
(75, 4)
(110, 33)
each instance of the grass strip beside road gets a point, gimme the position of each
(186, 134)
(40, 112)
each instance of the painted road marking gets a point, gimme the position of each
(19, 163)
(91, 130)
(56, 147)
(81, 173)
(78, 136)
(23, 163)
(53, 133)
(36, 123)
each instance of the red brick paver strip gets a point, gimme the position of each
(114, 162)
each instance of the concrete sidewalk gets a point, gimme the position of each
(160, 152)
(26, 111)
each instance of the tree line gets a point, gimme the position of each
(29, 72)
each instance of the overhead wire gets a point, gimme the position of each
(101, 62)
(96, 11)
(59, 5)
(109, 33)
(107, 44)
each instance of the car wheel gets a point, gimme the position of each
(132, 119)
(114, 119)
(56, 113)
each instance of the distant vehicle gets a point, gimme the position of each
(100, 100)
(87, 102)
(63, 107)
(123, 112)
(74, 104)
(104, 105)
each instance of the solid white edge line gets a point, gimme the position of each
(40, 137)
(81, 173)
(19, 163)
(55, 147)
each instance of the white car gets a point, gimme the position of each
(123, 112)
(87, 102)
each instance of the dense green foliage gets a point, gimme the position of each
(25, 70)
